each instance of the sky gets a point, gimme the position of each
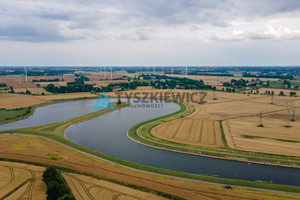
(149, 32)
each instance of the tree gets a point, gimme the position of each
(12, 89)
(27, 91)
(281, 93)
(55, 190)
(67, 197)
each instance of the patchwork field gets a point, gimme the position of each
(21, 181)
(239, 114)
(84, 187)
(39, 150)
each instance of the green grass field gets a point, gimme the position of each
(12, 114)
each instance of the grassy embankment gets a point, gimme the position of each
(142, 133)
(57, 130)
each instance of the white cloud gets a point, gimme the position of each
(268, 33)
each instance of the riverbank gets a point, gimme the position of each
(15, 110)
(142, 133)
(57, 130)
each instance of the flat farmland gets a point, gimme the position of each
(190, 131)
(32, 90)
(243, 133)
(40, 150)
(239, 116)
(16, 82)
(65, 77)
(217, 80)
(21, 181)
(277, 91)
(84, 187)
(11, 101)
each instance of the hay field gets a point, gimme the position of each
(32, 90)
(16, 82)
(21, 181)
(277, 91)
(190, 131)
(66, 77)
(218, 80)
(36, 149)
(243, 134)
(67, 96)
(11, 101)
(97, 82)
(211, 80)
(84, 187)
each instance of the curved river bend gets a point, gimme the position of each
(107, 134)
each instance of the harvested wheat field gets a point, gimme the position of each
(190, 131)
(84, 187)
(277, 91)
(218, 80)
(11, 101)
(239, 113)
(16, 82)
(244, 134)
(21, 181)
(32, 90)
(67, 96)
(40, 150)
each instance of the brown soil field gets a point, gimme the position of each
(21, 181)
(84, 187)
(10, 101)
(190, 131)
(35, 149)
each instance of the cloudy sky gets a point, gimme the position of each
(149, 32)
